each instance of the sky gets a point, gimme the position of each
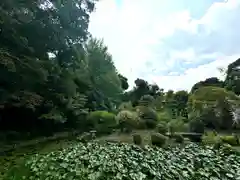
(174, 43)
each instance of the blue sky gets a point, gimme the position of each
(174, 43)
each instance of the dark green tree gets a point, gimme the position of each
(232, 81)
(213, 81)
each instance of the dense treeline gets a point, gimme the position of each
(52, 70)
(55, 75)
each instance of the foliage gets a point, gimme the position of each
(178, 138)
(232, 82)
(102, 121)
(124, 82)
(158, 139)
(232, 140)
(125, 106)
(214, 105)
(213, 81)
(102, 71)
(52, 71)
(196, 125)
(123, 161)
(128, 120)
(141, 89)
(85, 137)
(162, 128)
(146, 100)
(177, 125)
(181, 99)
(164, 116)
(137, 139)
(148, 115)
(211, 138)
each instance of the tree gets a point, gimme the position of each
(181, 99)
(142, 88)
(232, 81)
(34, 85)
(106, 83)
(124, 82)
(214, 105)
(213, 81)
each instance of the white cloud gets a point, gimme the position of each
(150, 39)
(186, 80)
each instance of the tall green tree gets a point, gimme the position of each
(212, 81)
(105, 79)
(181, 99)
(34, 84)
(232, 81)
(214, 105)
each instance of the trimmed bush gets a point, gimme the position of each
(125, 106)
(146, 100)
(178, 138)
(137, 139)
(227, 148)
(85, 137)
(177, 125)
(164, 116)
(214, 105)
(128, 120)
(102, 121)
(232, 140)
(196, 125)
(148, 115)
(162, 128)
(158, 139)
(211, 138)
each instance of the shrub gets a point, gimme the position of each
(178, 138)
(125, 106)
(150, 124)
(85, 137)
(146, 100)
(102, 121)
(196, 125)
(148, 115)
(177, 125)
(128, 120)
(211, 138)
(142, 124)
(227, 148)
(161, 128)
(232, 140)
(158, 139)
(137, 139)
(164, 116)
(215, 105)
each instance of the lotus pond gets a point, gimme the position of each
(97, 161)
